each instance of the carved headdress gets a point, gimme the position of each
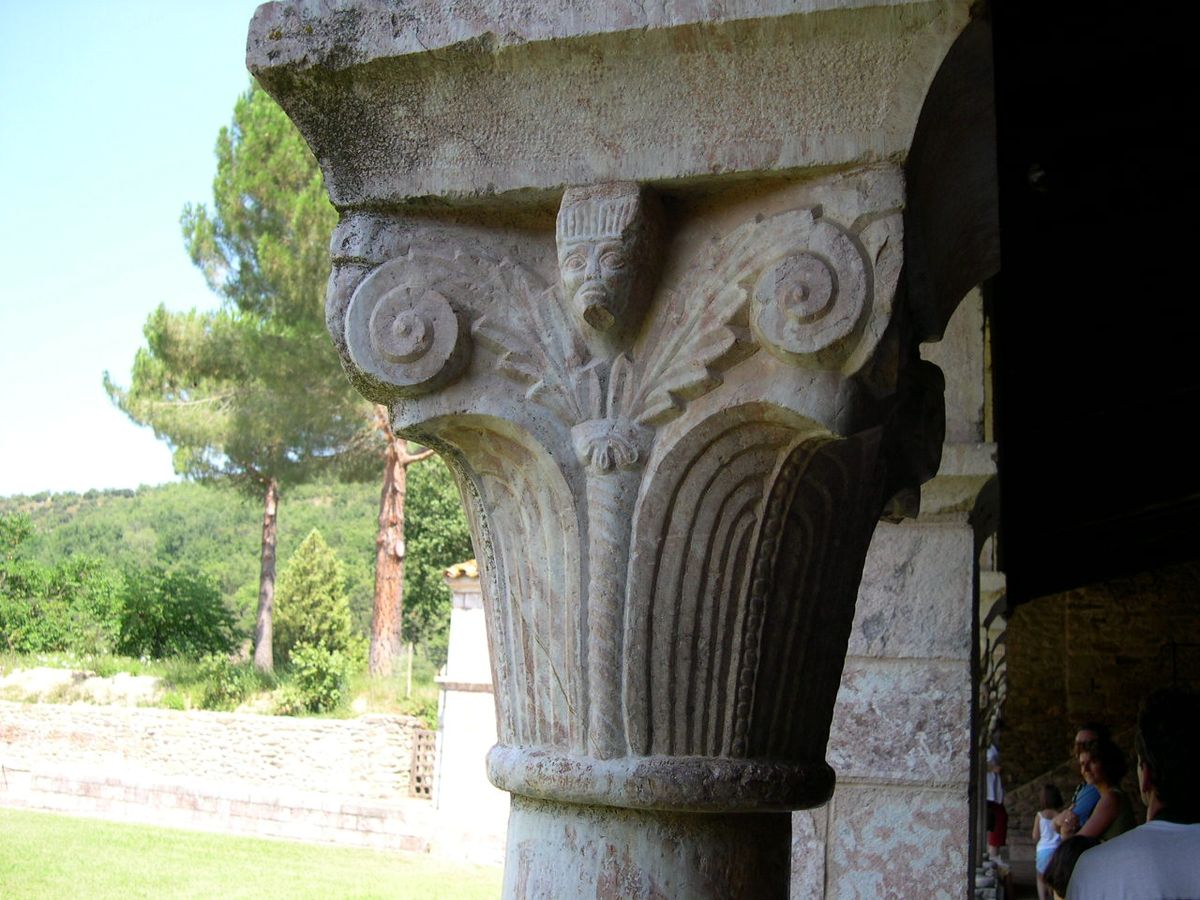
(598, 212)
(608, 286)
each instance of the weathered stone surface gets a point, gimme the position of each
(809, 828)
(673, 462)
(676, 783)
(334, 781)
(964, 488)
(903, 720)
(916, 593)
(894, 843)
(636, 442)
(960, 356)
(508, 97)
(216, 805)
(568, 851)
(368, 756)
(633, 273)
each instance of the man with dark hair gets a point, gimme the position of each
(1160, 859)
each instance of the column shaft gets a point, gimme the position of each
(564, 851)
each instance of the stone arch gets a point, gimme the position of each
(951, 223)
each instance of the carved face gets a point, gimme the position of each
(606, 234)
(597, 280)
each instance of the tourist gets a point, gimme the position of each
(1047, 838)
(1160, 859)
(997, 835)
(1085, 798)
(1062, 864)
(1103, 765)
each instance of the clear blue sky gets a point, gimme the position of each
(109, 111)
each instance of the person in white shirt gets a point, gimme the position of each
(1047, 838)
(1161, 859)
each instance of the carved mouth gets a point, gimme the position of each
(593, 300)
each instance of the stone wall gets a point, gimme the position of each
(364, 757)
(1092, 653)
(900, 818)
(898, 822)
(222, 806)
(326, 780)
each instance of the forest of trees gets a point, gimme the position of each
(214, 530)
(284, 460)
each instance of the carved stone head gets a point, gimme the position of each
(606, 241)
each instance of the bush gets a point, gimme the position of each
(173, 614)
(15, 530)
(226, 684)
(73, 606)
(311, 606)
(437, 536)
(318, 680)
(94, 596)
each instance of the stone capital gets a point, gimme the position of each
(634, 270)
(671, 525)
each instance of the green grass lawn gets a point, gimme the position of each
(43, 855)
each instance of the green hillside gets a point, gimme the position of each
(217, 531)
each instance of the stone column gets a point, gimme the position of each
(903, 732)
(671, 509)
(634, 274)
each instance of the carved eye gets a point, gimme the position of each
(575, 262)
(612, 259)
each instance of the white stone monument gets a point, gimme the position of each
(469, 808)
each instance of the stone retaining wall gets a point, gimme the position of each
(366, 757)
(327, 780)
(218, 806)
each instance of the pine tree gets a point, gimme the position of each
(312, 607)
(253, 393)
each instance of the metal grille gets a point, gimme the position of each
(424, 758)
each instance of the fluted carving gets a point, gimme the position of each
(671, 520)
(531, 547)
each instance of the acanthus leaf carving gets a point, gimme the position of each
(536, 345)
(590, 369)
(796, 282)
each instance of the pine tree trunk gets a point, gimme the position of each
(389, 564)
(263, 656)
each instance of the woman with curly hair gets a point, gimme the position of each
(1102, 764)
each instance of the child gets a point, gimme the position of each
(1045, 835)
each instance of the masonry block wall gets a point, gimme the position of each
(898, 822)
(367, 757)
(1093, 653)
(901, 734)
(329, 781)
